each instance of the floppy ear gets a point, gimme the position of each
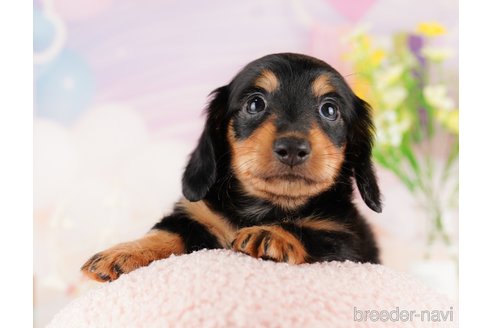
(360, 151)
(201, 171)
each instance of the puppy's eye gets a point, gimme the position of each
(329, 110)
(255, 105)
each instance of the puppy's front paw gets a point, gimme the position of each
(108, 265)
(270, 242)
(123, 258)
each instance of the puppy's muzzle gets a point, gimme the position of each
(291, 150)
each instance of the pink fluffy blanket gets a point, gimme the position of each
(219, 288)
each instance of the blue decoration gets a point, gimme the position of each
(44, 31)
(65, 89)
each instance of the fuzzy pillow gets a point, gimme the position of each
(220, 288)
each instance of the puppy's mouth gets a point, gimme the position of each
(291, 177)
(286, 189)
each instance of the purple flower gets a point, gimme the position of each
(415, 43)
(423, 117)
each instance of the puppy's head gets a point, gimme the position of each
(286, 124)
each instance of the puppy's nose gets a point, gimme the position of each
(291, 151)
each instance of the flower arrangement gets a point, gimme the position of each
(415, 116)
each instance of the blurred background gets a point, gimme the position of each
(119, 89)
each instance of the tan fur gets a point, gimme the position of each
(321, 86)
(267, 81)
(270, 242)
(216, 224)
(126, 257)
(326, 158)
(316, 223)
(261, 173)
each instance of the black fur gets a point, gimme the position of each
(201, 171)
(209, 175)
(195, 236)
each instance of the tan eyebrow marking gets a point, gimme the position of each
(267, 81)
(321, 85)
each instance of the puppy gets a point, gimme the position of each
(271, 175)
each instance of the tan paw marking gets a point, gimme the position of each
(270, 242)
(108, 265)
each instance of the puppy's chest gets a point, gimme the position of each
(256, 214)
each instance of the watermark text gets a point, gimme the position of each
(403, 315)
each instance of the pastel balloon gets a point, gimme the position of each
(44, 31)
(40, 69)
(76, 10)
(49, 35)
(353, 10)
(65, 89)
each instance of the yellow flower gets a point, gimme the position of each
(431, 29)
(362, 89)
(453, 121)
(446, 112)
(449, 119)
(377, 56)
(366, 41)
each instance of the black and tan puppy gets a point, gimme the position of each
(271, 175)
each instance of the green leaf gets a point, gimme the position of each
(389, 162)
(410, 156)
(451, 160)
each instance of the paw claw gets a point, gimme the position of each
(89, 265)
(270, 243)
(104, 277)
(111, 264)
(123, 258)
(266, 244)
(117, 269)
(245, 241)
